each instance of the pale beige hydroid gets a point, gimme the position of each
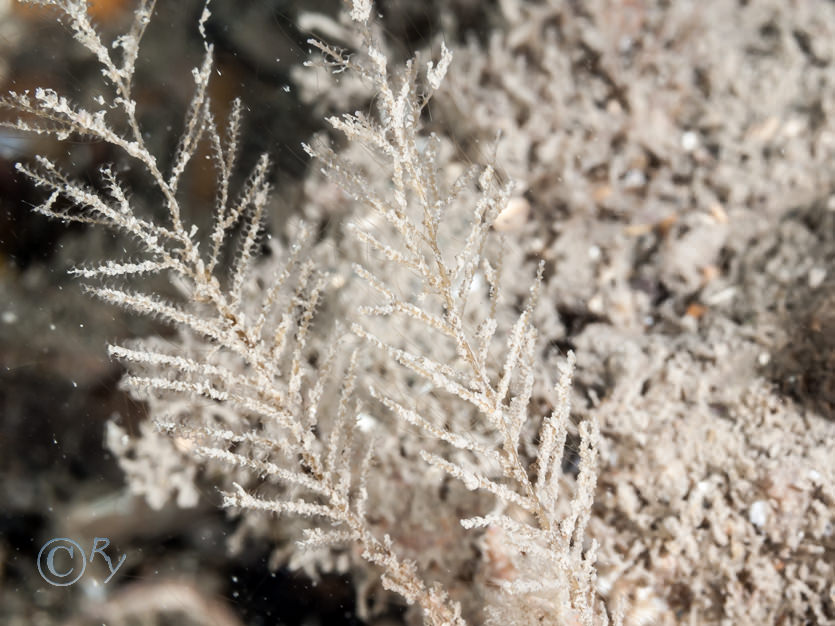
(294, 416)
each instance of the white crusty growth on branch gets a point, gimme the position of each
(247, 348)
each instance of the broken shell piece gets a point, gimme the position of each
(816, 277)
(718, 213)
(758, 513)
(514, 215)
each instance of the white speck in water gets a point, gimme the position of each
(9, 317)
